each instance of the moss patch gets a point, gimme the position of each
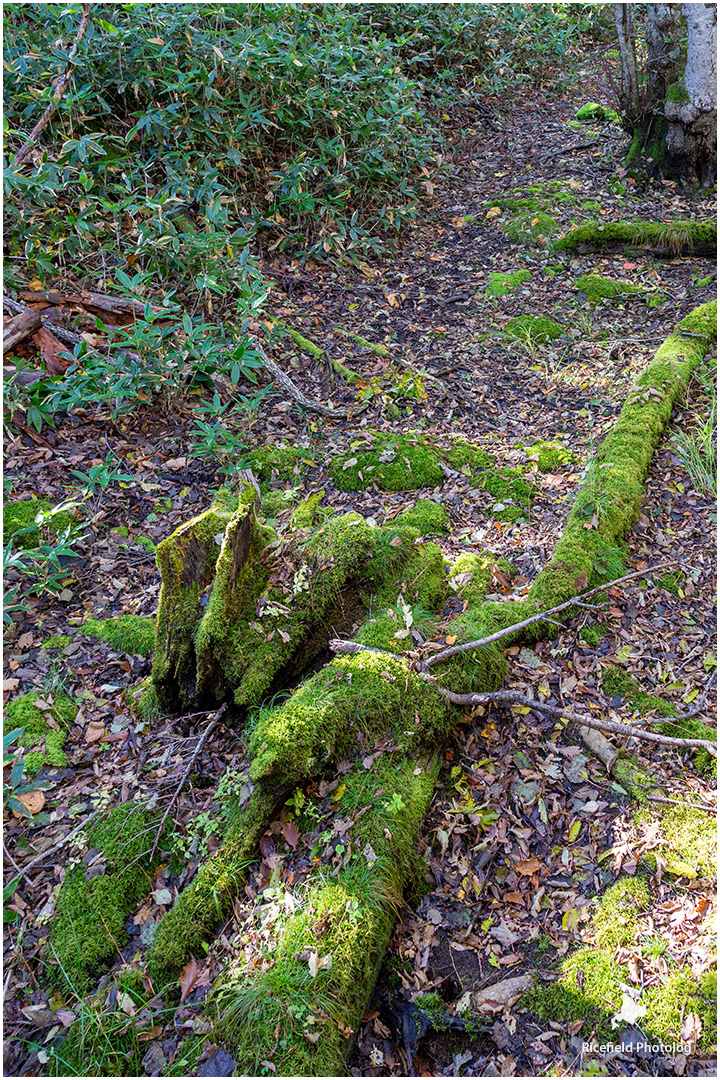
(127, 633)
(284, 462)
(592, 111)
(89, 921)
(537, 329)
(56, 641)
(501, 284)
(46, 728)
(20, 515)
(396, 463)
(593, 633)
(600, 288)
(550, 455)
(429, 518)
(531, 227)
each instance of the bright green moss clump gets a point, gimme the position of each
(127, 633)
(89, 921)
(20, 515)
(530, 227)
(537, 329)
(592, 111)
(286, 462)
(601, 288)
(56, 641)
(430, 518)
(501, 284)
(393, 462)
(550, 455)
(24, 713)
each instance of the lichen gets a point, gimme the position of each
(127, 633)
(46, 728)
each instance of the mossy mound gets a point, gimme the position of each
(592, 111)
(393, 462)
(531, 227)
(537, 329)
(550, 455)
(46, 727)
(89, 922)
(284, 462)
(600, 288)
(19, 516)
(501, 284)
(679, 238)
(127, 633)
(56, 641)
(429, 518)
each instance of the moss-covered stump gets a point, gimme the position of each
(679, 238)
(187, 561)
(95, 900)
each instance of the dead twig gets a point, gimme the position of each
(61, 85)
(677, 802)
(297, 395)
(210, 728)
(56, 847)
(514, 697)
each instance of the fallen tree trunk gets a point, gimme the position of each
(370, 712)
(19, 328)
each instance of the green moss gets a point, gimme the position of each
(593, 633)
(537, 329)
(56, 641)
(601, 288)
(89, 921)
(429, 518)
(615, 922)
(187, 561)
(308, 513)
(588, 989)
(618, 683)
(687, 237)
(20, 515)
(145, 702)
(592, 111)
(550, 455)
(285, 462)
(688, 838)
(22, 712)
(668, 1003)
(529, 227)
(501, 284)
(677, 91)
(127, 633)
(381, 350)
(464, 455)
(396, 463)
(146, 542)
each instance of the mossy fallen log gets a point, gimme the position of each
(672, 239)
(348, 917)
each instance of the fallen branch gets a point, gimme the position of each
(19, 328)
(297, 395)
(211, 727)
(542, 616)
(678, 802)
(514, 697)
(569, 149)
(56, 847)
(61, 85)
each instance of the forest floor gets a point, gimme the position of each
(480, 920)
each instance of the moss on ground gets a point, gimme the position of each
(501, 284)
(127, 633)
(46, 728)
(429, 518)
(687, 237)
(600, 288)
(550, 455)
(19, 516)
(537, 329)
(56, 641)
(592, 111)
(287, 463)
(89, 921)
(530, 227)
(393, 462)
(593, 633)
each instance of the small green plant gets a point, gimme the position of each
(697, 449)
(100, 476)
(17, 783)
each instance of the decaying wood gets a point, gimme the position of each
(497, 998)
(51, 349)
(291, 389)
(61, 85)
(68, 336)
(19, 328)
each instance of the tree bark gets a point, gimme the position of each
(624, 24)
(662, 33)
(19, 328)
(691, 111)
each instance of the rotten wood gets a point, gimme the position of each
(19, 328)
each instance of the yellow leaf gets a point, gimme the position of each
(451, 640)
(34, 801)
(156, 41)
(493, 212)
(392, 300)
(338, 793)
(535, 221)
(574, 831)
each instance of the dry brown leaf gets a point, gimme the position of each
(527, 867)
(291, 833)
(33, 800)
(94, 731)
(192, 975)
